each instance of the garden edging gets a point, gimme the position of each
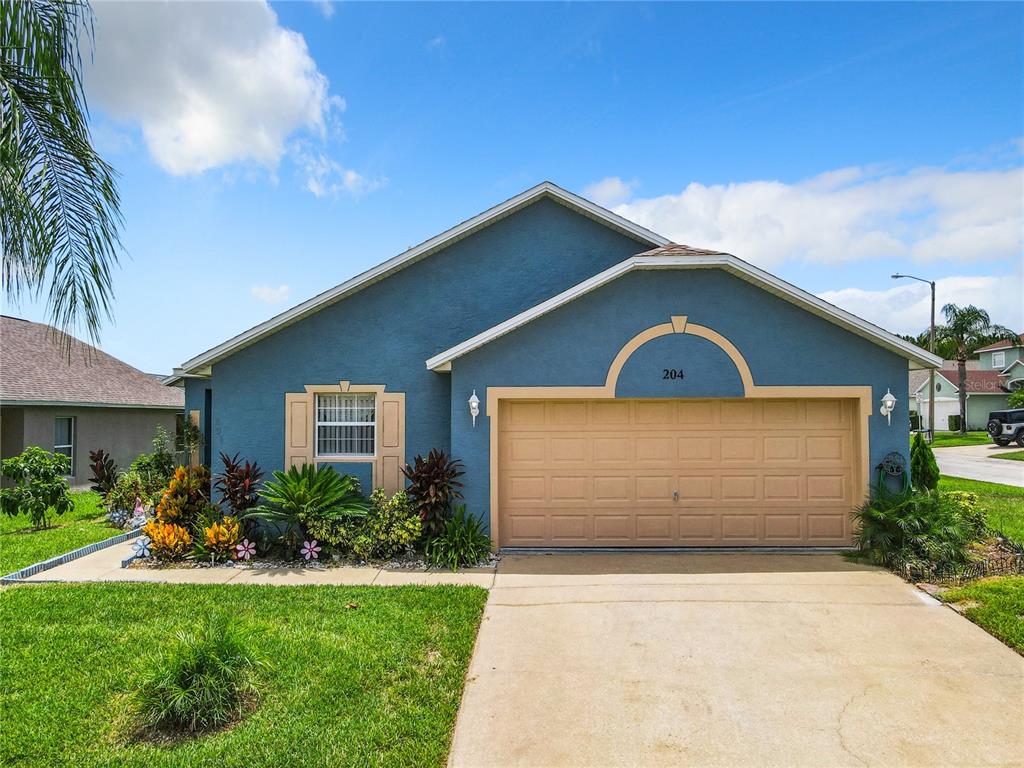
(31, 570)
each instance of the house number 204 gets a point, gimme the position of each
(673, 373)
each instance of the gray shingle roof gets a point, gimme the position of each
(34, 368)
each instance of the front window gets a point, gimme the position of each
(998, 360)
(64, 437)
(346, 425)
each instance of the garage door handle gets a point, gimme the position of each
(675, 495)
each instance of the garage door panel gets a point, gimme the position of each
(676, 472)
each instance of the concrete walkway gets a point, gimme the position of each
(975, 462)
(730, 660)
(105, 565)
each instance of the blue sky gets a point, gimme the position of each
(267, 154)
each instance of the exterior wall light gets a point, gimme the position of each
(474, 406)
(888, 404)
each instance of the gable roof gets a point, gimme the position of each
(36, 371)
(1010, 367)
(1004, 344)
(673, 256)
(200, 364)
(978, 382)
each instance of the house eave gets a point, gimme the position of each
(77, 404)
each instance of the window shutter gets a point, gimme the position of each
(298, 429)
(391, 441)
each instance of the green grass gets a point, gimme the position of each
(21, 544)
(953, 439)
(996, 605)
(1011, 456)
(362, 676)
(1003, 505)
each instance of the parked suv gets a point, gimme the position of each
(1006, 426)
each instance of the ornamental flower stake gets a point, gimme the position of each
(141, 546)
(310, 550)
(245, 550)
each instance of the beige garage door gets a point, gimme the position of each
(675, 472)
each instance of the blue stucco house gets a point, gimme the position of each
(603, 386)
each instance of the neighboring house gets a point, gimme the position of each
(73, 407)
(632, 392)
(998, 371)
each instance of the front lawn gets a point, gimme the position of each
(996, 605)
(21, 544)
(1012, 455)
(1003, 505)
(953, 439)
(362, 676)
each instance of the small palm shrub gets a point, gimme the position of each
(461, 542)
(238, 483)
(918, 528)
(40, 485)
(433, 486)
(167, 541)
(186, 496)
(924, 471)
(313, 500)
(104, 472)
(391, 525)
(205, 680)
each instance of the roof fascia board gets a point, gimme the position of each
(67, 404)
(727, 262)
(424, 249)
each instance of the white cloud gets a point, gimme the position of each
(325, 176)
(610, 191)
(269, 294)
(326, 7)
(436, 42)
(849, 214)
(209, 84)
(906, 307)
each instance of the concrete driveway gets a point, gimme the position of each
(730, 660)
(975, 462)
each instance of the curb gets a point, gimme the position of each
(31, 570)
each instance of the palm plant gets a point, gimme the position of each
(312, 496)
(59, 208)
(967, 329)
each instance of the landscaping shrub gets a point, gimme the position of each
(924, 471)
(129, 487)
(156, 467)
(1016, 399)
(461, 542)
(40, 485)
(953, 422)
(186, 496)
(104, 472)
(313, 500)
(205, 680)
(237, 484)
(390, 527)
(930, 527)
(433, 486)
(167, 541)
(216, 535)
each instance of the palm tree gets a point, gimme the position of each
(59, 209)
(967, 329)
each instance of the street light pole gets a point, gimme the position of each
(931, 348)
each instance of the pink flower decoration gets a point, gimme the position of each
(310, 550)
(245, 550)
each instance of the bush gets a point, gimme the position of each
(237, 484)
(104, 472)
(217, 536)
(919, 528)
(157, 467)
(1016, 399)
(953, 422)
(461, 542)
(924, 472)
(433, 487)
(205, 680)
(130, 487)
(167, 541)
(186, 496)
(313, 500)
(40, 485)
(390, 526)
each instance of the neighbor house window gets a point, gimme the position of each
(346, 425)
(998, 360)
(64, 437)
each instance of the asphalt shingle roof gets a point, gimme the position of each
(1003, 345)
(978, 382)
(34, 368)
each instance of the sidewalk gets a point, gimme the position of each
(105, 565)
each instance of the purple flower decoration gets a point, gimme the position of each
(310, 550)
(245, 550)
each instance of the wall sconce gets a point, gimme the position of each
(888, 404)
(474, 406)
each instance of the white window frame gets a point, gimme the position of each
(317, 424)
(71, 445)
(999, 360)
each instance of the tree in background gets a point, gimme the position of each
(924, 471)
(59, 209)
(1016, 399)
(967, 329)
